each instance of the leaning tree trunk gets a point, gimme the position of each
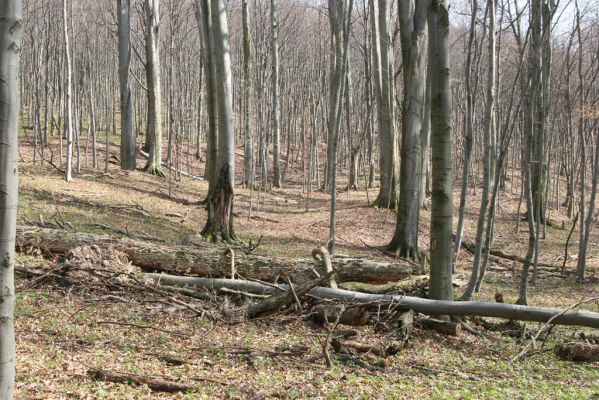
(219, 226)
(152, 11)
(10, 46)
(127, 135)
(441, 287)
(413, 45)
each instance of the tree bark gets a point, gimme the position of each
(11, 36)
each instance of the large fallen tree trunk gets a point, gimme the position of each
(425, 306)
(213, 261)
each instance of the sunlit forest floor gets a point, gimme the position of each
(63, 332)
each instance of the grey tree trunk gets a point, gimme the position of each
(11, 36)
(219, 226)
(127, 134)
(204, 20)
(248, 147)
(441, 287)
(532, 130)
(276, 118)
(412, 16)
(468, 135)
(383, 72)
(487, 163)
(68, 95)
(340, 19)
(152, 14)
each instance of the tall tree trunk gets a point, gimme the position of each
(204, 19)
(340, 19)
(488, 149)
(276, 118)
(68, 95)
(11, 36)
(413, 46)
(441, 287)
(383, 72)
(152, 11)
(127, 135)
(468, 135)
(248, 147)
(532, 132)
(219, 226)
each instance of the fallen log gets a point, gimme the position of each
(210, 260)
(424, 306)
(156, 384)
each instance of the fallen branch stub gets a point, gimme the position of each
(209, 260)
(156, 384)
(424, 306)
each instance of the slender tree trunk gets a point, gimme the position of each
(248, 147)
(340, 18)
(488, 149)
(11, 36)
(68, 96)
(468, 135)
(276, 118)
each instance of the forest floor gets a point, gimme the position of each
(62, 332)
